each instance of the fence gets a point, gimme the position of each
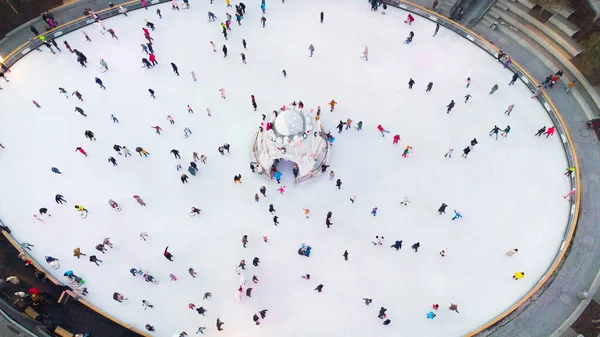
(71, 26)
(556, 119)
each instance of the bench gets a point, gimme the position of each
(564, 25)
(62, 332)
(557, 36)
(527, 4)
(29, 312)
(563, 10)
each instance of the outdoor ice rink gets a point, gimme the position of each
(508, 190)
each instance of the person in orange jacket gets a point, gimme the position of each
(332, 104)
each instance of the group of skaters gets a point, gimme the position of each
(150, 62)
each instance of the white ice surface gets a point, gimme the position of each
(508, 190)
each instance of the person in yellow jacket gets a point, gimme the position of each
(518, 275)
(569, 86)
(228, 2)
(80, 208)
(306, 212)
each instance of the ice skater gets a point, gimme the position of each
(457, 215)
(495, 131)
(450, 106)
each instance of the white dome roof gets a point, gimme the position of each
(289, 123)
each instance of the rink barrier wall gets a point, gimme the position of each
(557, 120)
(553, 112)
(39, 267)
(71, 26)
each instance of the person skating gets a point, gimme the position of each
(89, 135)
(466, 151)
(59, 199)
(253, 99)
(76, 93)
(494, 88)
(319, 288)
(442, 209)
(80, 110)
(467, 96)
(410, 37)
(429, 86)
(311, 49)
(509, 109)
(55, 170)
(263, 20)
(201, 311)
(450, 106)
(168, 255)
(81, 150)
(345, 255)
(550, 131)
(505, 131)
(224, 55)
(139, 200)
(263, 191)
(99, 82)
(119, 297)
(175, 153)
(397, 245)
(338, 183)
(396, 139)
(340, 126)
(382, 130)
(184, 178)
(95, 260)
(457, 215)
(453, 307)
(367, 300)
(146, 305)
(495, 131)
(149, 327)
(244, 240)
(207, 295)
(146, 63)
(411, 82)
(242, 264)
(175, 69)
(570, 171)
(276, 220)
(219, 324)
(514, 78)
(374, 211)
(382, 314)
(277, 176)
(112, 160)
(416, 246)
(541, 131)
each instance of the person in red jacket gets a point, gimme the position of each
(396, 139)
(81, 150)
(152, 58)
(549, 131)
(382, 130)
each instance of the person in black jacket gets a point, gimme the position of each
(168, 255)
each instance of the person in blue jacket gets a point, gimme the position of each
(263, 6)
(278, 177)
(55, 170)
